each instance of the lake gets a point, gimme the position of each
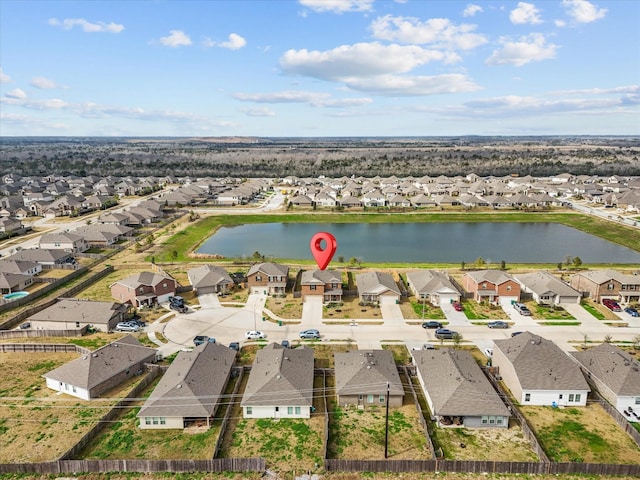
(421, 242)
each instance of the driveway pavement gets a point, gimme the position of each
(390, 311)
(312, 311)
(454, 317)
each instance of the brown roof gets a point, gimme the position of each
(612, 366)
(367, 372)
(84, 311)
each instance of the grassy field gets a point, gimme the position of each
(187, 240)
(581, 434)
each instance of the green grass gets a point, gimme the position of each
(593, 311)
(190, 238)
(565, 324)
(554, 439)
(550, 312)
(430, 312)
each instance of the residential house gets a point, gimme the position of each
(71, 313)
(280, 383)
(23, 267)
(210, 279)
(14, 282)
(144, 289)
(365, 378)
(457, 391)
(601, 284)
(191, 389)
(9, 225)
(491, 286)
(268, 278)
(374, 198)
(377, 287)
(433, 286)
(326, 284)
(547, 289)
(96, 373)
(538, 372)
(67, 241)
(46, 257)
(350, 201)
(615, 374)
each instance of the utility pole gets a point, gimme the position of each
(386, 428)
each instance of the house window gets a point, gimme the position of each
(381, 399)
(637, 401)
(298, 410)
(484, 286)
(249, 410)
(527, 397)
(163, 421)
(141, 290)
(508, 288)
(369, 398)
(499, 420)
(258, 278)
(485, 419)
(577, 397)
(164, 285)
(492, 420)
(289, 410)
(560, 396)
(610, 286)
(147, 420)
(360, 397)
(155, 420)
(77, 324)
(571, 397)
(312, 287)
(277, 409)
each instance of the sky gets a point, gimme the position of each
(319, 68)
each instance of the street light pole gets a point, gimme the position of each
(386, 428)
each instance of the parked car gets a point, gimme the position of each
(457, 306)
(25, 325)
(137, 321)
(235, 346)
(445, 333)
(431, 324)
(127, 327)
(177, 300)
(611, 305)
(200, 339)
(254, 335)
(498, 324)
(312, 333)
(522, 309)
(285, 344)
(178, 308)
(632, 311)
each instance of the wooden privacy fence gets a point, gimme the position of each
(421, 414)
(43, 347)
(239, 372)
(30, 333)
(143, 466)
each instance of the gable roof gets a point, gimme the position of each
(376, 283)
(431, 281)
(603, 276)
(193, 384)
(270, 269)
(544, 282)
(456, 385)
(320, 277)
(85, 311)
(143, 278)
(612, 366)
(41, 255)
(92, 369)
(367, 372)
(496, 277)
(540, 364)
(280, 376)
(208, 275)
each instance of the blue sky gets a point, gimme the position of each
(319, 68)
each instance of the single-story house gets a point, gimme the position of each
(457, 391)
(377, 287)
(14, 282)
(191, 389)
(323, 283)
(45, 257)
(434, 286)
(144, 289)
(280, 384)
(364, 377)
(269, 278)
(71, 313)
(547, 289)
(616, 376)
(23, 267)
(209, 279)
(538, 372)
(95, 373)
(491, 286)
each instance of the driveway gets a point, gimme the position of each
(390, 310)
(452, 315)
(312, 311)
(521, 322)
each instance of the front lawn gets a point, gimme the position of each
(483, 311)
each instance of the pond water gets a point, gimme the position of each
(421, 242)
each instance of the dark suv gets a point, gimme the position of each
(445, 333)
(431, 324)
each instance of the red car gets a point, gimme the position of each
(458, 306)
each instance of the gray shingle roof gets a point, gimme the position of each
(612, 366)
(456, 384)
(280, 376)
(540, 364)
(367, 372)
(496, 277)
(208, 276)
(544, 282)
(84, 311)
(92, 369)
(143, 278)
(376, 283)
(193, 384)
(431, 281)
(320, 277)
(270, 269)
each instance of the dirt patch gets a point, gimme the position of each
(581, 434)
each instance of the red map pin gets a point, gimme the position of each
(323, 257)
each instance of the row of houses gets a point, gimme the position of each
(280, 384)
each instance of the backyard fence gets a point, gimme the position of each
(421, 413)
(239, 372)
(43, 347)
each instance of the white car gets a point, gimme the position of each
(254, 335)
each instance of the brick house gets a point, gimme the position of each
(601, 284)
(144, 289)
(268, 278)
(491, 286)
(324, 283)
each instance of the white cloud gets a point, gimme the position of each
(235, 42)
(471, 10)
(531, 48)
(525, 13)
(43, 83)
(560, 23)
(439, 32)
(176, 38)
(259, 112)
(338, 6)
(4, 78)
(86, 26)
(316, 99)
(359, 60)
(407, 86)
(16, 93)
(600, 91)
(582, 11)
